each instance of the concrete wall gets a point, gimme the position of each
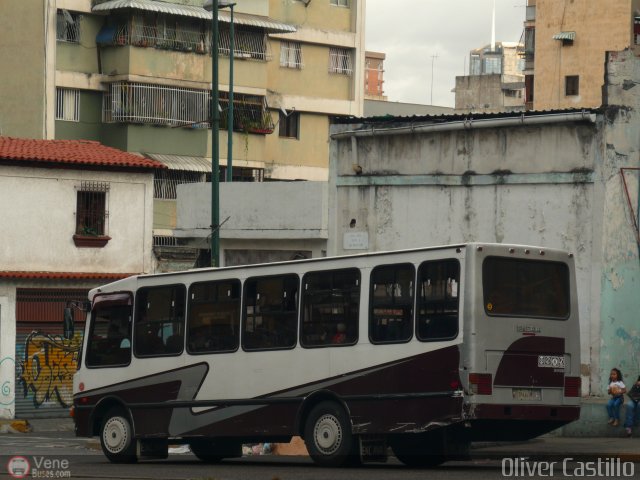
(487, 93)
(557, 185)
(620, 281)
(289, 216)
(44, 241)
(526, 185)
(22, 83)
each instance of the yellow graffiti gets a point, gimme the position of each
(48, 367)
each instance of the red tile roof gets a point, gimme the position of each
(64, 275)
(70, 152)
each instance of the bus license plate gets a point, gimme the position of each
(550, 361)
(527, 394)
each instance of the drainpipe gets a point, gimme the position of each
(469, 124)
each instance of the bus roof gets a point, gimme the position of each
(319, 260)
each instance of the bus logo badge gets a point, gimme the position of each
(550, 361)
(18, 467)
(528, 329)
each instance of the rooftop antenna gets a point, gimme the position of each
(493, 28)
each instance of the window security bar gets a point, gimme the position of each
(291, 55)
(248, 44)
(67, 26)
(340, 61)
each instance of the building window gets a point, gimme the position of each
(492, 65)
(289, 125)
(67, 26)
(67, 104)
(248, 44)
(339, 3)
(340, 61)
(291, 55)
(475, 64)
(91, 209)
(571, 85)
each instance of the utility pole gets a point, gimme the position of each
(433, 58)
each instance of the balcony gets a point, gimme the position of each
(131, 103)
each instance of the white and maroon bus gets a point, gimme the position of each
(421, 350)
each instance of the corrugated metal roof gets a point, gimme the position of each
(179, 162)
(268, 24)
(565, 36)
(457, 116)
(64, 275)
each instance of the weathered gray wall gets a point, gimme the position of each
(517, 184)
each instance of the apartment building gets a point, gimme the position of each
(564, 48)
(136, 75)
(495, 81)
(374, 76)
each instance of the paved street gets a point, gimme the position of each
(70, 457)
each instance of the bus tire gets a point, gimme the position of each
(116, 437)
(417, 451)
(327, 434)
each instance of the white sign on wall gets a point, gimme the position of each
(355, 241)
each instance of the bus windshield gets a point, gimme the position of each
(525, 288)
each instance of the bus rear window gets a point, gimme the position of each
(525, 288)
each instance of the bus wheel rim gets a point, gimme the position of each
(328, 434)
(116, 435)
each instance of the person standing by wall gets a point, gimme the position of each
(632, 414)
(617, 390)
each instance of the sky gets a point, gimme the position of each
(411, 32)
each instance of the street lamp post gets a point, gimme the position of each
(213, 6)
(230, 112)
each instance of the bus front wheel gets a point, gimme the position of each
(327, 434)
(116, 437)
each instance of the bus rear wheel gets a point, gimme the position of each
(116, 437)
(327, 435)
(212, 451)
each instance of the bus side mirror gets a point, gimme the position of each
(68, 323)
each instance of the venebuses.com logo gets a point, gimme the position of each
(38, 467)
(18, 467)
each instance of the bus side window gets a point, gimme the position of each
(159, 321)
(438, 305)
(331, 303)
(214, 317)
(270, 312)
(391, 303)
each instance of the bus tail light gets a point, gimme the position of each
(481, 383)
(572, 386)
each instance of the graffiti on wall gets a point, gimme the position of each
(6, 382)
(46, 372)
